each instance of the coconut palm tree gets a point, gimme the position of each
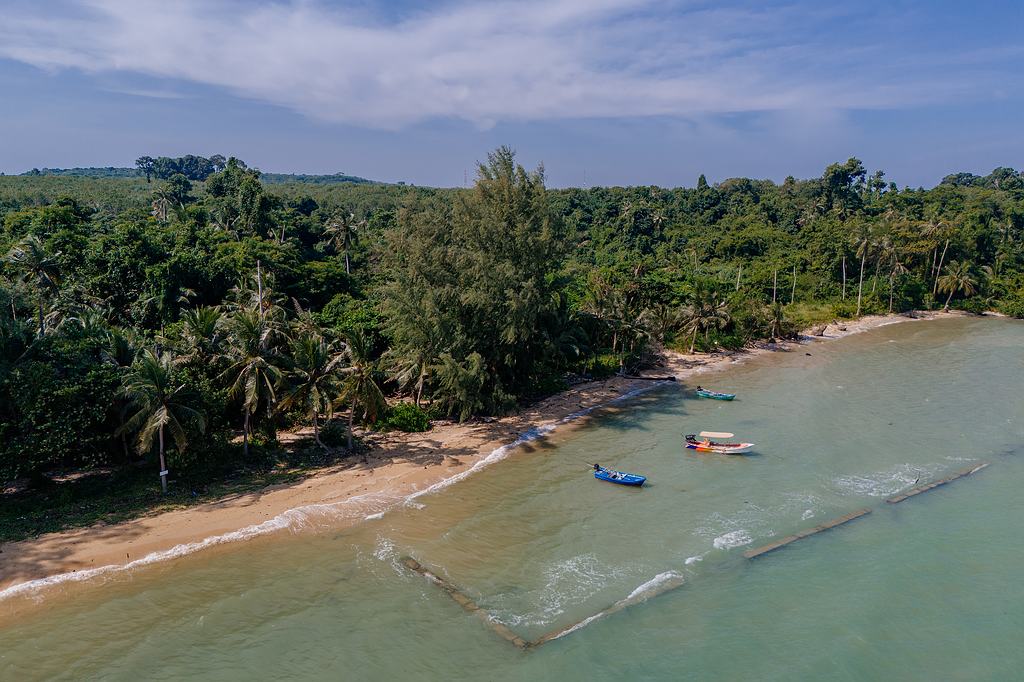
(161, 404)
(253, 368)
(862, 242)
(958, 279)
(705, 313)
(315, 379)
(342, 232)
(38, 268)
(202, 333)
(896, 270)
(359, 390)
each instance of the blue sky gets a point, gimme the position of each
(600, 91)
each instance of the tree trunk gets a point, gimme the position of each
(163, 465)
(792, 295)
(316, 432)
(351, 420)
(738, 274)
(42, 323)
(775, 283)
(693, 340)
(245, 433)
(844, 278)
(938, 270)
(860, 286)
(419, 387)
(348, 271)
(890, 293)
(948, 299)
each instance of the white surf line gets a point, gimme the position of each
(299, 516)
(658, 585)
(290, 519)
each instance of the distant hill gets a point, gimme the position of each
(108, 172)
(268, 178)
(336, 178)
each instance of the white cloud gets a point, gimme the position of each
(484, 62)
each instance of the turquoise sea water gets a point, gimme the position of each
(928, 589)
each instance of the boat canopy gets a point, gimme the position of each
(716, 434)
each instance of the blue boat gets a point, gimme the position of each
(714, 395)
(620, 477)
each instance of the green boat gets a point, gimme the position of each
(714, 395)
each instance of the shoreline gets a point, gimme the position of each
(399, 468)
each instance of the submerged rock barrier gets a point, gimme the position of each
(659, 586)
(667, 586)
(896, 499)
(789, 539)
(467, 603)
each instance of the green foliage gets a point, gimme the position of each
(404, 417)
(469, 301)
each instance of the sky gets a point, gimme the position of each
(601, 92)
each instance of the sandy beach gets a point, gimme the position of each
(397, 466)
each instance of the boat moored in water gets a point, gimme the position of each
(620, 477)
(706, 444)
(714, 395)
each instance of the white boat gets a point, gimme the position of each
(707, 444)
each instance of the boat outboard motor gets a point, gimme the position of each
(691, 438)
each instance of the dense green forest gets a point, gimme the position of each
(181, 323)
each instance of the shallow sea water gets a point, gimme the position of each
(927, 589)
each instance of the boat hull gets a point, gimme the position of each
(714, 395)
(738, 449)
(620, 477)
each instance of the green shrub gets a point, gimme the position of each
(602, 366)
(405, 417)
(974, 305)
(334, 434)
(844, 309)
(1013, 307)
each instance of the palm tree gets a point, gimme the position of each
(252, 366)
(932, 230)
(201, 334)
(958, 279)
(359, 389)
(705, 313)
(342, 232)
(315, 379)
(863, 242)
(38, 268)
(410, 368)
(895, 271)
(163, 200)
(160, 404)
(120, 349)
(776, 317)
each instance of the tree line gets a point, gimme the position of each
(195, 319)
